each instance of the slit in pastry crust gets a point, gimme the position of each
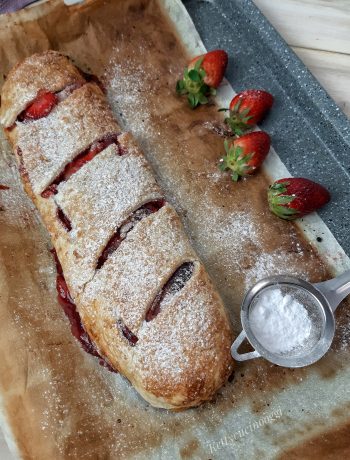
(80, 160)
(174, 284)
(49, 71)
(45, 102)
(129, 223)
(61, 216)
(127, 333)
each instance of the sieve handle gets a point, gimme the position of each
(242, 356)
(335, 290)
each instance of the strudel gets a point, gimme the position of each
(143, 296)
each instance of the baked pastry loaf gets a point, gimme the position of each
(143, 296)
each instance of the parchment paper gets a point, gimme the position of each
(57, 401)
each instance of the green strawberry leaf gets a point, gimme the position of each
(222, 165)
(227, 146)
(193, 85)
(198, 64)
(237, 105)
(193, 100)
(180, 87)
(180, 84)
(279, 187)
(244, 112)
(284, 199)
(194, 76)
(202, 99)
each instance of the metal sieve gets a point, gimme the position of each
(320, 300)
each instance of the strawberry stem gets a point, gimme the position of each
(279, 204)
(238, 120)
(236, 161)
(193, 85)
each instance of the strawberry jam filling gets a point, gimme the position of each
(42, 105)
(174, 284)
(22, 170)
(89, 77)
(80, 160)
(64, 219)
(10, 128)
(130, 336)
(126, 227)
(70, 310)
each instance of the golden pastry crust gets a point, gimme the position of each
(133, 275)
(179, 356)
(109, 188)
(49, 143)
(49, 71)
(192, 360)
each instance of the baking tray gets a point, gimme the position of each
(265, 412)
(310, 132)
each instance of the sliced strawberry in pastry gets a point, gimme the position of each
(42, 106)
(70, 310)
(79, 161)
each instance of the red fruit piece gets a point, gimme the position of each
(295, 197)
(42, 106)
(245, 154)
(214, 64)
(247, 109)
(202, 76)
(79, 161)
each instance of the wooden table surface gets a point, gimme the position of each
(319, 33)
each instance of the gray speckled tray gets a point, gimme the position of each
(310, 132)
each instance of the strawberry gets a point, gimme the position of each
(295, 197)
(245, 154)
(247, 109)
(42, 106)
(202, 76)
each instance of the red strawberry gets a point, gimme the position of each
(295, 197)
(42, 106)
(202, 76)
(247, 109)
(245, 154)
(214, 64)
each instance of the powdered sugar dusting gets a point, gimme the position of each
(132, 276)
(101, 415)
(274, 263)
(108, 188)
(191, 322)
(279, 321)
(48, 71)
(49, 143)
(231, 231)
